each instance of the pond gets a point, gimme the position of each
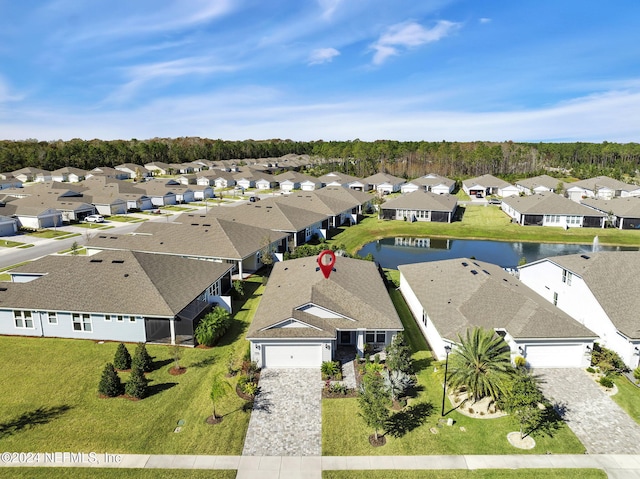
(390, 252)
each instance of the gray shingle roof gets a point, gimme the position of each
(545, 181)
(113, 282)
(628, 207)
(548, 203)
(202, 236)
(612, 277)
(488, 181)
(422, 200)
(458, 297)
(354, 290)
(603, 181)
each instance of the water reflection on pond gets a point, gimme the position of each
(390, 252)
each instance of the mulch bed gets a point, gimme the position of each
(177, 371)
(214, 420)
(352, 393)
(381, 441)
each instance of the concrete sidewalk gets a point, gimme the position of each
(311, 467)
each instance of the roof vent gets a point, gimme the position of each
(465, 264)
(117, 261)
(102, 236)
(486, 272)
(474, 272)
(95, 261)
(584, 256)
(205, 224)
(126, 275)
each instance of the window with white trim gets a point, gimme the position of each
(52, 317)
(23, 319)
(372, 337)
(82, 322)
(214, 289)
(107, 317)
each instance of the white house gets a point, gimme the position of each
(549, 209)
(601, 187)
(447, 298)
(303, 318)
(539, 184)
(486, 185)
(8, 225)
(431, 182)
(383, 183)
(599, 290)
(623, 213)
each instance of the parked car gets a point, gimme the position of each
(479, 195)
(94, 219)
(495, 201)
(253, 199)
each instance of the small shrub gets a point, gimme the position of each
(329, 369)
(606, 382)
(607, 360)
(122, 358)
(137, 385)
(337, 388)
(110, 384)
(373, 367)
(471, 411)
(213, 326)
(636, 373)
(141, 359)
(591, 370)
(250, 389)
(520, 362)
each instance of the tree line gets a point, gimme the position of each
(408, 159)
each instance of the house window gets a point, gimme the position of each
(214, 289)
(555, 299)
(375, 337)
(424, 317)
(566, 277)
(53, 317)
(132, 319)
(120, 318)
(307, 232)
(82, 322)
(107, 317)
(23, 319)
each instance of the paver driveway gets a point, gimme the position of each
(287, 416)
(601, 425)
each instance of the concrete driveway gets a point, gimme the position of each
(287, 415)
(601, 425)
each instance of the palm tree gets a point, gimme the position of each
(481, 364)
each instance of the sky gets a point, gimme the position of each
(307, 70)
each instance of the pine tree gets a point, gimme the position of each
(141, 359)
(137, 386)
(399, 355)
(373, 400)
(110, 384)
(122, 358)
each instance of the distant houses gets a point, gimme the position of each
(421, 206)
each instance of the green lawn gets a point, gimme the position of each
(628, 398)
(126, 219)
(464, 474)
(95, 473)
(9, 244)
(482, 436)
(479, 222)
(49, 234)
(50, 400)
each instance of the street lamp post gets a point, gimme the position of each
(447, 350)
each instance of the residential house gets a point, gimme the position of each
(431, 182)
(300, 224)
(30, 174)
(623, 213)
(32, 212)
(549, 209)
(340, 179)
(201, 237)
(539, 184)
(265, 181)
(601, 187)
(133, 171)
(159, 193)
(448, 298)
(421, 206)
(107, 172)
(10, 182)
(159, 168)
(599, 290)
(8, 224)
(384, 183)
(487, 185)
(113, 296)
(303, 318)
(68, 174)
(292, 180)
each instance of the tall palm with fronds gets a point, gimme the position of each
(481, 364)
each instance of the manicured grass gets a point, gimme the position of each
(479, 222)
(68, 235)
(96, 473)
(7, 268)
(124, 219)
(49, 234)
(92, 226)
(482, 436)
(464, 474)
(628, 398)
(80, 251)
(50, 400)
(9, 244)
(177, 208)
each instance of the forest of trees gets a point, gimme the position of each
(359, 158)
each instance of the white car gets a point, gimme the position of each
(94, 219)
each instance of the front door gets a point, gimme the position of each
(345, 337)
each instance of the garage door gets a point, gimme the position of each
(554, 356)
(292, 356)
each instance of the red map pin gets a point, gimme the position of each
(326, 260)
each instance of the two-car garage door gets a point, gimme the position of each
(291, 355)
(554, 356)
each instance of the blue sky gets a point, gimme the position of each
(544, 70)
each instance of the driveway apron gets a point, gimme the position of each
(601, 425)
(287, 417)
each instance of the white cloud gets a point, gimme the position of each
(409, 35)
(328, 8)
(485, 20)
(322, 55)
